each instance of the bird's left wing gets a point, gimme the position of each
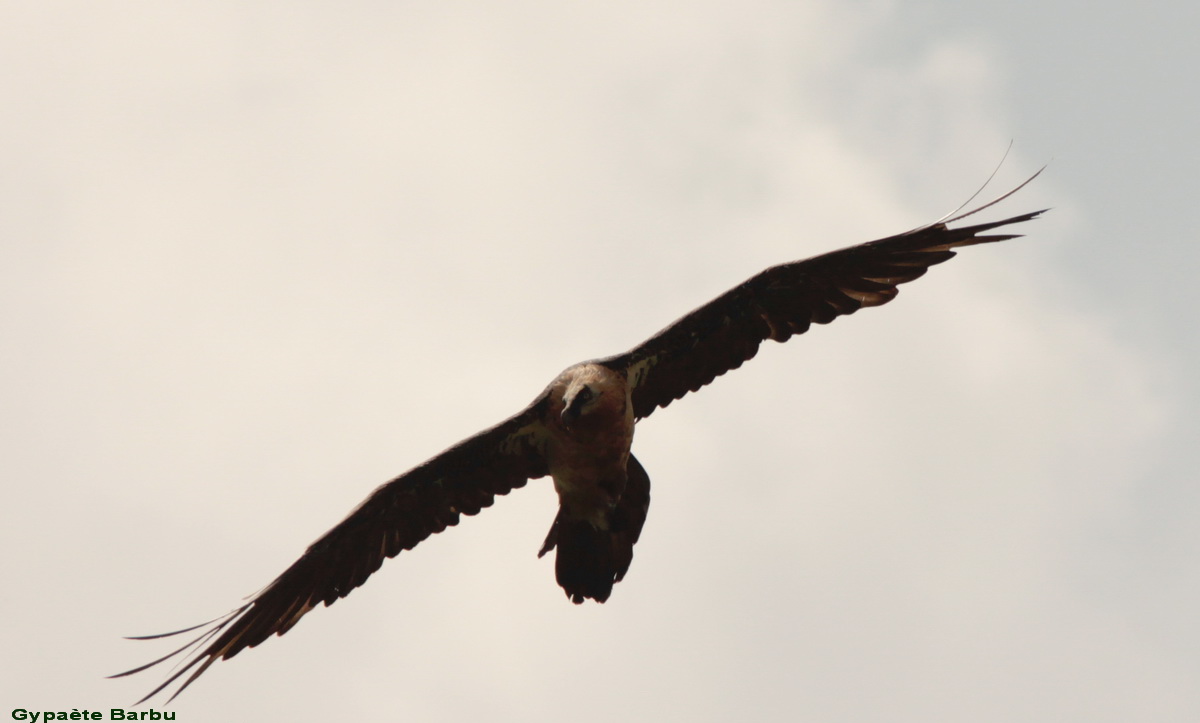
(396, 516)
(785, 300)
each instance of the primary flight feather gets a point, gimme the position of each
(579, 431)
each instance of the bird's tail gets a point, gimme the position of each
(590, 560)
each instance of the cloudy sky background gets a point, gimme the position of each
(258, 257)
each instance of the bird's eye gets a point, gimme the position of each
(584, 395)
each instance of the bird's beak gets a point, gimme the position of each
(568, 416)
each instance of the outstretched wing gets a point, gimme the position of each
(399, 514)
(785, 300)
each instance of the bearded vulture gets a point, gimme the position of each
(579, 431)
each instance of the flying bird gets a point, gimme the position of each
(579, 431)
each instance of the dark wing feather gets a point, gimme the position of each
(785, 300)
(399, 514)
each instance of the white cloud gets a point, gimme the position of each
(263, 258)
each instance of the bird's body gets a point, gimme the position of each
(579, 431)
(586, 453)
(589, 434)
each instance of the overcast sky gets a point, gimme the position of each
(258, 257)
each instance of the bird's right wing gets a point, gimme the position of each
(399, 514)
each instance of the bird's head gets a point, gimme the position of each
(579, 399)
(590, 397)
